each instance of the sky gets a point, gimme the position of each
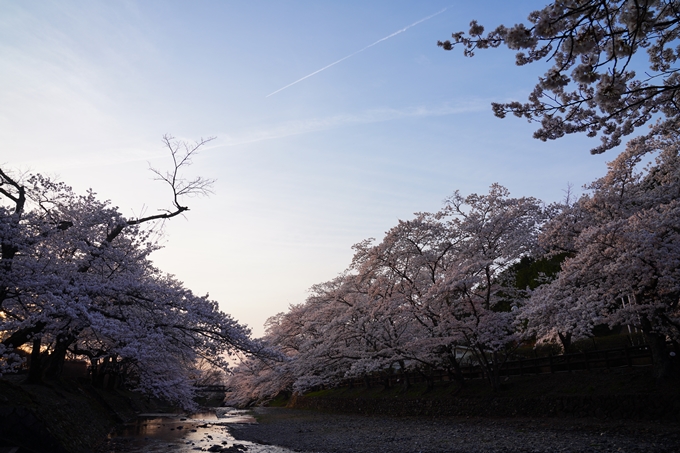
(332, 121)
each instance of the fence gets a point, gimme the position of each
(212, 388)
(627, 356)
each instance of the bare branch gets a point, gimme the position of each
(182, 153)
(19, 198)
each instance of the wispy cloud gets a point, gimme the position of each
(117, 152)
(359, 51)
(309, 125)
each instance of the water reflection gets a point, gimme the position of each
(177, 433)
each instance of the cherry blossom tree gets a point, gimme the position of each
(258, 378)
(311, 351)
(487, 272)
(496, 231)
(598, 82)
(625, 257)
(399, 274)
(432, 287)
(76, 277)
(542, 314)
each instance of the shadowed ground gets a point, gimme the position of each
(314, 431)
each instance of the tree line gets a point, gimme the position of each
(490, 272)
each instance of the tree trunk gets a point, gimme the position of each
(95, 372)
(662, 365)
(35, 370)
(404, 376)
(428, 374)
(115, 374)
(113, 382)
(489, 369)
(657, 344)
(58, 357)
(495, 371)
(566, 341)
(430, 381)
(457, 372)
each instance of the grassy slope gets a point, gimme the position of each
(628, 393)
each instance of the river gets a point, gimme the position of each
(177, 433)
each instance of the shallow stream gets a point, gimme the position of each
(177, 433)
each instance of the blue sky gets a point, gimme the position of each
(89, 88)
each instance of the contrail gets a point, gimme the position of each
(360, 50)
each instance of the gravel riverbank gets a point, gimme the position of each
(313, 431)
